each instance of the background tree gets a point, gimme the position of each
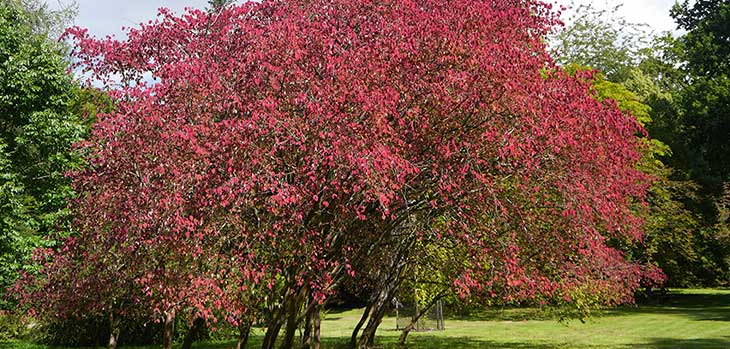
(217, 5)
(42, 19)
(674, 240)
(705, 101)
(706, 98)
(648, 73)
(36, 133)
(601, 39)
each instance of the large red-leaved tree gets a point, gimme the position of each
(271, 151)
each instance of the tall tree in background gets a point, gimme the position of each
(705, 103)
(41, 18)
(37, 128)
(674, 239)
(706, 98)
(217, 5)
(645, 71)
(600, 39)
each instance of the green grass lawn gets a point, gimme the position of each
(684, 319)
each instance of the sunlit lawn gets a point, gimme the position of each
(685, 319)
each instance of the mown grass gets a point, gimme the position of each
(683, 319)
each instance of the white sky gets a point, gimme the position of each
(107, 17)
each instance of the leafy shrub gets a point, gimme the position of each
(13, 326)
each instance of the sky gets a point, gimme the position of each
(107, 17)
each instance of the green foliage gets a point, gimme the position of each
(90, 102)
(216, 5)
(707, 42)
(678, 89)
(627, 101)
(41, 18)
(94, 332)
(13, 326)
(674, 237)
(36, 133)
(705, 49)
(71, 332)
(602, 40)
(696, 71)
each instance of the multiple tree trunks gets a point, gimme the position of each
(292, 322)
(356, 331)
(377, 311)
(390, 279)
(374, 312)
(311, 336)
(299, 307)
(272, 332)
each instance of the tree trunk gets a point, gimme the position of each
(292, 322)
(167, 335)
(356, 331)
(316, 322)
(307, 336)
(193, 332)
(272, 330)
(367, 339)
(390, 281)
(243, 331)
(407, 330)
(113, 332)
(419, 313)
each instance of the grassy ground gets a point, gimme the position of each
(685, 319)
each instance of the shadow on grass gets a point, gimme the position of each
(663, 343)
(416, 342)
(703, 307)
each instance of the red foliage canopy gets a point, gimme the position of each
(277, 140)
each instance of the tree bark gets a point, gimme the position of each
(414, 321)
(316, 322)
(390, 280)
(114, 331)
(167, 335)
(307, 336)
(193, 332)
(356, 331)
(244, 329)
(367, 339)
(272, 329)
(292, 322)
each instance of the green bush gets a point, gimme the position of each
(13, 326)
